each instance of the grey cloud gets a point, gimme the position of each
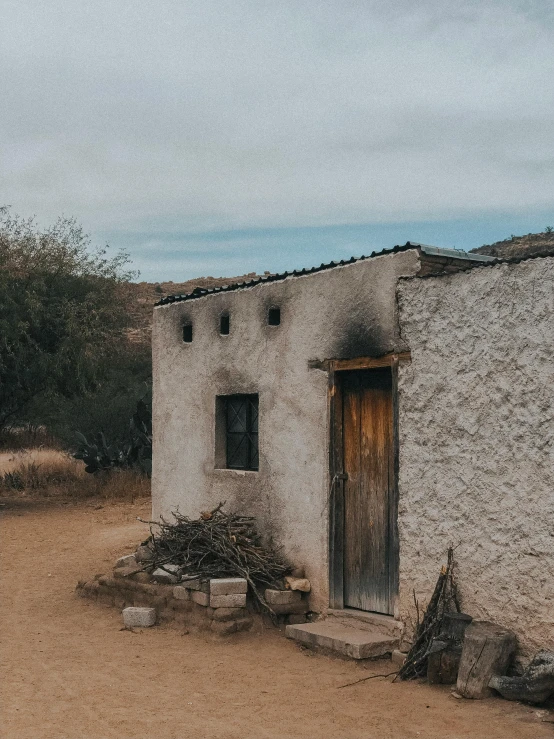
(234, 113)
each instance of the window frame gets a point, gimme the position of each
(250, 434)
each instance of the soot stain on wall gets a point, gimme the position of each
(361, 339)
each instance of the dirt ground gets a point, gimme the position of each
(70, 672)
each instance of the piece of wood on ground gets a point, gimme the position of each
(446, 650)
(487, 651)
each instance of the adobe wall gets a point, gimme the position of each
(344, 312)
(476, 420)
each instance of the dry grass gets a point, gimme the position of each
(48, 473)
(26, 437)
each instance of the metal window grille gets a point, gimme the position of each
(241, 413)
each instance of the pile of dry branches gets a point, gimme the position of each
(217, 544)
(444, 600)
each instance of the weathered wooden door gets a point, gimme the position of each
(369, 559)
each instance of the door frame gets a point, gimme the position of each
(336, 471)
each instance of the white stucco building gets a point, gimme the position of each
(348, 407)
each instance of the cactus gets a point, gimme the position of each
(98, 455)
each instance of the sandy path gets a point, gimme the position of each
(68, 672)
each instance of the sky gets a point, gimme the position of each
(220, 137)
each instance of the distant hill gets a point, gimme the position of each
(520, 246)
(142, 296)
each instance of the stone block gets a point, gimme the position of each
(106, 580)
(165, 591)
(298, 607)
(202, 585)
(282, 597)
(139, 617)
(122, 573)
(144, 554)
(228, 586)
(127, 561)
(203, 599)
(168, 575)
(298, 583)
(143, 577)
(238, 600)
(181, 593)
(228, 614)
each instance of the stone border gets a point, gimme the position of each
(201, 605)
(171, 608)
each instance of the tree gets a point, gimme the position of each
(62, 320)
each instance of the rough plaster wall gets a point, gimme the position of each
(477, 443)
(340, 313)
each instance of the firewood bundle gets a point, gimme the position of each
(216, 545)
(443, 600)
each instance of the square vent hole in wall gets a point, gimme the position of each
(274, 316)
(236, 432)
(224, 324)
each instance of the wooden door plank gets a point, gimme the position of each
(352, 512)
(336, 496)
(376, 416)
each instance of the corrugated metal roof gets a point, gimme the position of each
(490, 262)
(425, 248)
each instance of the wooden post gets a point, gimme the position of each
(487, 651)
(446, 650)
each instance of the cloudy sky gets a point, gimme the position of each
(227, 136)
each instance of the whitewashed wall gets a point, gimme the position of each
(344, 312)
(477, 442)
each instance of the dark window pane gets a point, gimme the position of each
(253, 425)
(236, 414)
(274, 316)
(254, 456)
(242, 431)
(237, 450)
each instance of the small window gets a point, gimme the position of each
(224, 324)
(274, 316)
(187, 333)
(241, 432)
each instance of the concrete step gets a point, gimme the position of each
(368, 620)
(344, 637)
